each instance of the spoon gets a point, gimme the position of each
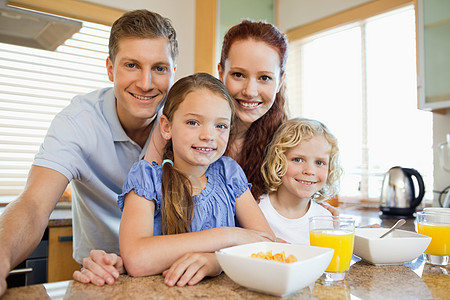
(399, 223)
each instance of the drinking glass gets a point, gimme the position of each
(435, 223)
(337, 233)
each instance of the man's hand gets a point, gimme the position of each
(100, 268)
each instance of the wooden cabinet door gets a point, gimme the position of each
(61, 265)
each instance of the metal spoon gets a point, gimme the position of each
(399, 223)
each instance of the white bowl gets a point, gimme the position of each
(272, 277)
(396, 248)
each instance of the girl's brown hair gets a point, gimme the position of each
(260, 133)
(289, 135)
(177, 204)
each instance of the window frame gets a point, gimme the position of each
(351, 16)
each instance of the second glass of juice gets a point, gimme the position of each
(436, 224)
(337, 233)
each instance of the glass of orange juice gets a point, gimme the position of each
(435, 223)
(337, 233)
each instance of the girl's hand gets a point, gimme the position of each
(191, 268)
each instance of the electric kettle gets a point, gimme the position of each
(398, 195)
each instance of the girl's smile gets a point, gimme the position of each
(199, 130)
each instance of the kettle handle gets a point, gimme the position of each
(412, 172)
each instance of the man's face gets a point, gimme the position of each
(143, 71)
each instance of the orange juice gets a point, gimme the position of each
(440, 238)
(342, 243)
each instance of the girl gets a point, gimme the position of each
(189, 203)
(301, 166)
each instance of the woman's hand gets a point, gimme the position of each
(331, 209)
(245, 236)
(191, 268)
(100, 268)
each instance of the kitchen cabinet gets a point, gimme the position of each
(61, 265)
(433, 47)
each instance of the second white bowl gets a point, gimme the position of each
(398, 247)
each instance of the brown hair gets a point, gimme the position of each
(289, 135)
(142, 24)
(178, 206)
(260, 133)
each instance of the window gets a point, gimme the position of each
(34, 86)
(360, 80)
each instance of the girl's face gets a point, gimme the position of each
(308, 165)
(252, 76)
(199, 129)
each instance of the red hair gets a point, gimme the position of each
(260, 133)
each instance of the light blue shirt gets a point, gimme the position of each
(214, 207)
(87, 144)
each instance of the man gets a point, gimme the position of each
(93, 143)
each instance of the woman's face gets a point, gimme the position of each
(252, 76)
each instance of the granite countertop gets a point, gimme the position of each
(413, 280)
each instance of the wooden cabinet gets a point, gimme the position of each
(61, 265)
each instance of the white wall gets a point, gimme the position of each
(182, 15)
(441, 126)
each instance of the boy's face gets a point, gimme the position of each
(308, 165)
(143, 71)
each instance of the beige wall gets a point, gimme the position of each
(293, 13)
(182, 15)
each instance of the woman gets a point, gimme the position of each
(252, 67)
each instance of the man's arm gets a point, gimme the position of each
(24, 220)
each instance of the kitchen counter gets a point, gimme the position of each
(413, 280)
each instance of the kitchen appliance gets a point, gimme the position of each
(398, 193)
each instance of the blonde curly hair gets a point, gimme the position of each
(289, 135)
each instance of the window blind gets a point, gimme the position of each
(34, 86)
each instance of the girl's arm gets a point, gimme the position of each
(145, 254)
(250, 215)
